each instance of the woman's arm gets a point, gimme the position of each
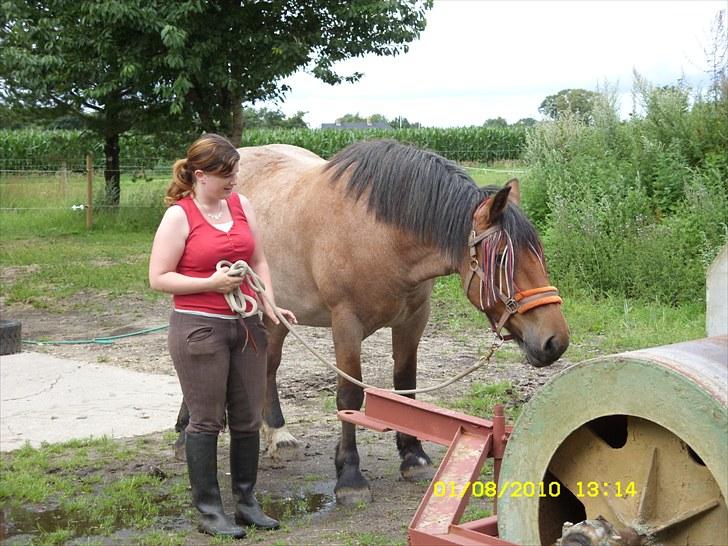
(167, 249)
(259, 264)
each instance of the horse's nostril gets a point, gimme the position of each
(548, 347)
(554, 347)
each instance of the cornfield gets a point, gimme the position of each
(478, 144)
(52, 149)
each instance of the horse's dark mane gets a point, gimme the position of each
(424, 193)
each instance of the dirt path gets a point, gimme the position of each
(301, 484)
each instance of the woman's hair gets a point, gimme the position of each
(210, 153)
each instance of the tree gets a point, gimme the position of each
(230, 52)
(151, 64)
(578, 102)
(272, 119)
(97, 61)
(401, 122)
(12, 118)
(717, 56)
(495, 122)
(356, 118)
(526, 122)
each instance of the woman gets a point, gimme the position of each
(219, 357)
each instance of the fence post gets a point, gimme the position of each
(89, 190)
(64, 181)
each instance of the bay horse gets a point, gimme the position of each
(355, 244)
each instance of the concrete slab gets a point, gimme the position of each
(49, 399)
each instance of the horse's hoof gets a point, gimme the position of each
(351, 487)
(279, 441)
(416, 468)
(179, 447)
(417, 473)
(351, 496)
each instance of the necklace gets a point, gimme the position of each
(212, 216)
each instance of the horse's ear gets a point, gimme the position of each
(490, 210)
(515, 195)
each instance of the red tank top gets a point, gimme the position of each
(207, 245)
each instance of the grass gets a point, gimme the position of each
(47, 271)
(41, 204)
(614, 324)
(481, 398)
(90, 488)
(366, 539)
(328, 402)
(496, 174)
(598, 326)
(48, 256)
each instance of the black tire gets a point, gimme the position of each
(10, 339)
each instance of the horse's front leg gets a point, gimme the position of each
(416, 465)
(275, 434)
(351, 486)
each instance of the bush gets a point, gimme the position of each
(635, 209)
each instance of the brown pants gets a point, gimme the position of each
(221, 366)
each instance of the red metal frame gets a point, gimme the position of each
(471, 441)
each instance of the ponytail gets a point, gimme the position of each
(182, 182)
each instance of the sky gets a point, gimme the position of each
(481, 59)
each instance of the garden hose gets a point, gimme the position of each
(109, 340)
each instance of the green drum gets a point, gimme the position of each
(639, 439)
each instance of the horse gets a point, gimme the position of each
(355, 244)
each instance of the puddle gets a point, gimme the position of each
(296, 505)
(30, 521)
(26, 522)
(35, 519)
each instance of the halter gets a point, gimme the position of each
(518, 302)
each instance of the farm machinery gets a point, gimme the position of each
(623, 450)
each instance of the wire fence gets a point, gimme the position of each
(30, 186)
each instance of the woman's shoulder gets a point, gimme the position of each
(175, 213)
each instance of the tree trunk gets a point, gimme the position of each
(236, 133)
(112, 174)
(226, 115)
(201, 107)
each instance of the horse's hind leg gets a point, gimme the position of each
(275, 433)
(183, 418)
(416, 465)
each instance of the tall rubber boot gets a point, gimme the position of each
(201, 450)
(244, 452)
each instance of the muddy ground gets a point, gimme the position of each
(299, 486)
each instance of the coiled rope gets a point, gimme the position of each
(236, 299)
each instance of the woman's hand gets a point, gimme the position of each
(221, 282)
(288, 315)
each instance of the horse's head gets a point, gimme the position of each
(504, 275)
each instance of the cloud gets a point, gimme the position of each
(483, 59)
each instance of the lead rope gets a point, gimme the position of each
(236, 298)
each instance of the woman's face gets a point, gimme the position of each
(216, 185)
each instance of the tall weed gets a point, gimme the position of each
(634, 209)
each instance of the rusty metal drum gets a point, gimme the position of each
(639, 439)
